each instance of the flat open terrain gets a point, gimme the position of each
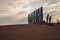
(29, 32)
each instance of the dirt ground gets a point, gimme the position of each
(29, 32)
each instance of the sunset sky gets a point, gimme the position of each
(16, 11)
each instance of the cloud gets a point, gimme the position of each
(53, 9)
(15, 11)
(16, 19)
(24, 20)
(5, 19)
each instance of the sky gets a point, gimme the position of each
(16, 11)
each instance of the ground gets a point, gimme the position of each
(29, 32)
